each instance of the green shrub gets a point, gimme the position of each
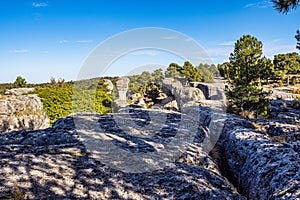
(59, 102)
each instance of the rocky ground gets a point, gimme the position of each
(130, 155)
(62, 163)
(200, 153)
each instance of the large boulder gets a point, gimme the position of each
(136, 154)
(211, 91)
(183, 95)
(19, 111)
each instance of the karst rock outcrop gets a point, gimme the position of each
(134, 154)
(22, 111)
(201, 152)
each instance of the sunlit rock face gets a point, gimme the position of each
(134, 154)
(183, 95)
(122, 87)
(21, 111)
(261, 157)
(211, 91)
(109, 85)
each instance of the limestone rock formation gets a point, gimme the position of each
(169, 103)
(109, 85)
(260, 167)
(285, 110)
(85, 156)
(277, 94)
(122, 87)
(156, 154)
(19, 111)
(211, 91)
(181, 94)
(18, 91)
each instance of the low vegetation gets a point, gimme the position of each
(61, 101)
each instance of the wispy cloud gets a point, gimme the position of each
(19, 51)
(189, 39)
(40, 4)
(221, 53)
(145, 52)
(84, 41)
(271, 49)
(275, 40)
(170, 37)
(227, 43)
(260, 4)
(63, 41)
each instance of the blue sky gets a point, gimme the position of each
(43, 39)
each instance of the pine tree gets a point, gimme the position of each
(247, 69)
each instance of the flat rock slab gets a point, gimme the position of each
(64, 162)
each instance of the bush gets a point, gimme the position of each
(59, 102)
(20, 82)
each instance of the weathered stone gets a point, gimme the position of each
(296, 104)
(109, 85)
(156, 154)
(61, 162)
(137, 99)
(18, 91)
(285, 111)
(276, 94)
(260, 167)
(122, 87)
(169, 103)
(211, 91)
(22, 112)
(182, 95)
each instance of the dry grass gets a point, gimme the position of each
(16, 194)
(279, 139)
(258, 126)
(295, 91)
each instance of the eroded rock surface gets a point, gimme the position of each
(122, 87)
(19, 111)
(182, 94)
(260, 167)
(66, 163)
(211, 91)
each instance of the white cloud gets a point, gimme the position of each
(19, 51)
(84, 41)
(63, 41)
(228, 43)
(145, 52)
(260, 4)
(41, 4)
